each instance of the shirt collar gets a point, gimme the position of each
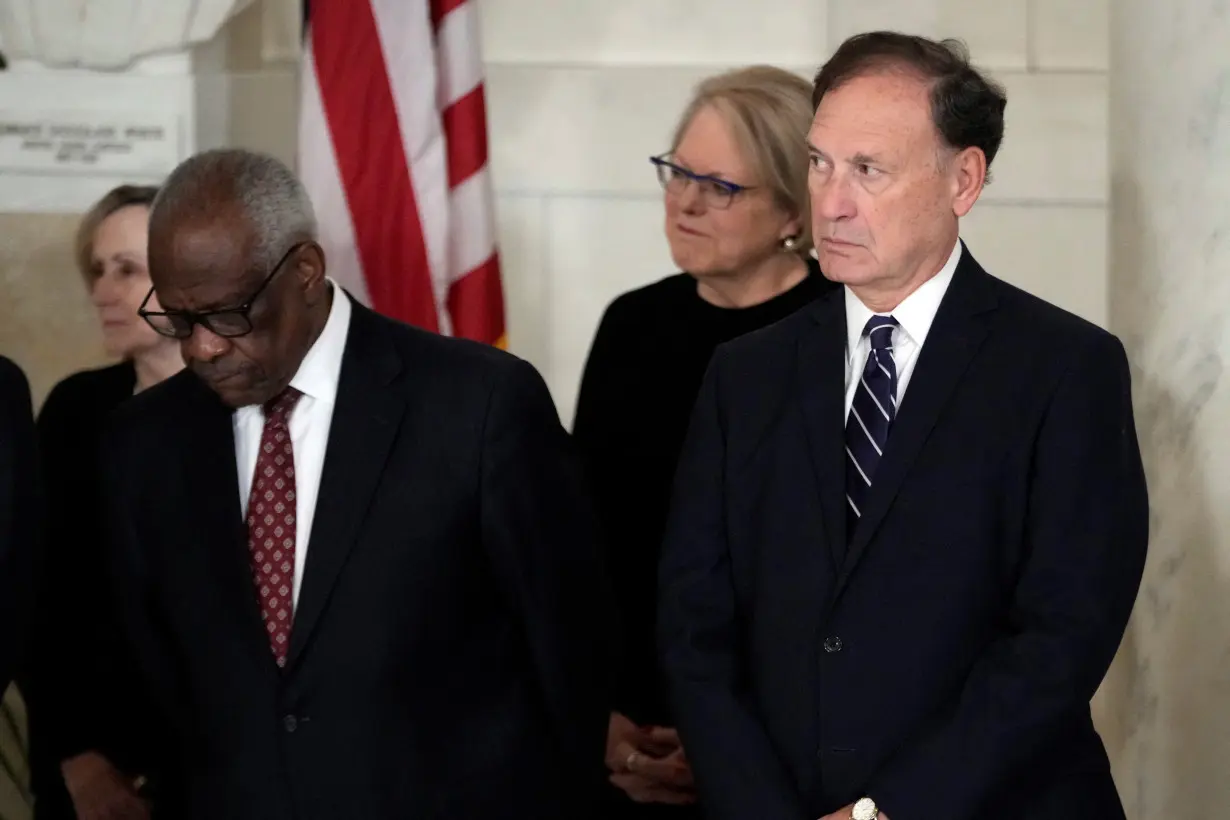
(915, 313)
(321, 368)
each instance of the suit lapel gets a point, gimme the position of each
(958, 331)
(366, 418)
(217, 521)
(821, 374)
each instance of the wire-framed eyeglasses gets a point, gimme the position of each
(230, 322)
(714, 191)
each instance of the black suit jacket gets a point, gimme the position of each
(942, 661)
(19, 518)
(447, 653)
(81, 689)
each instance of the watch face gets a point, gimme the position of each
(865, 809)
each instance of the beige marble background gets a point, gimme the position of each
(45, 320)
(581, 93)
(1169, 694)
(46, 324)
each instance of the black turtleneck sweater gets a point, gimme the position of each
(640, 382)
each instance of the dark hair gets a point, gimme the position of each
(966, 107)
(114, 200)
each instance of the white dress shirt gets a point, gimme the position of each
(309, 426)
(914, 317)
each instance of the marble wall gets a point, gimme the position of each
(247, 95)
(581, 92)
(1167, 702)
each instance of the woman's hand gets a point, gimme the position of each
(648, 764)
(100, 791)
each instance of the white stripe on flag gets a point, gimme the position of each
(457, 53)
(409, 46)
(318, 170)
(472, 206)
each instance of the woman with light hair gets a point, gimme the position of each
(90, 729)
(739, 228)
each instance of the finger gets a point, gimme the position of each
(122, 805)
(665, 734)
(661, 741)
(680, 760)
(106, 809)
(617, 756)
(664, 770)
(119, 807)
(135, 808)
(621, 754)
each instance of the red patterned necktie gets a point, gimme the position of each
(271, 523)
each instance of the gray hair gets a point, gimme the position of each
(269, 196)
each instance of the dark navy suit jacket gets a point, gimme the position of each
(943, 659)
(20, 500)
(449, 652)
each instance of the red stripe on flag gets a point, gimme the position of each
(476, 303)
(441, 8)
(367, 141)
(465, 130)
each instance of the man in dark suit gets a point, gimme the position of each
(355, 564)
(19, 500)
(910, 521)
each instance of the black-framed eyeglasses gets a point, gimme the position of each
(714, 191)
(229, 322)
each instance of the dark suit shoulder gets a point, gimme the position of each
(458, 357)
(12, 377)
(160, 406)
(16, 406)
(85, 390)
(1048, 323)
(772, 347)
(453, 376)
(755, 376)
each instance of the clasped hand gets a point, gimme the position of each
(648, 763)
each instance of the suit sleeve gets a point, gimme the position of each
(538, 528)
(600, 434)
(20, 500)
(738, 773)
(65, 716)
(135, 603)
(1086, 534)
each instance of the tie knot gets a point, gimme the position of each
(279, 407)
(879, 332)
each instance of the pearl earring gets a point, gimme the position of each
(789, 243)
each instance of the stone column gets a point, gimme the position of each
(1165, 708)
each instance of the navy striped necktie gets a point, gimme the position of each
(871, 417)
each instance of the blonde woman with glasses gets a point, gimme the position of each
(738, 225)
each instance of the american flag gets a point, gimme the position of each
(393, 151)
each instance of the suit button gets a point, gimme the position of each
(832, 644)
(290, 723)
